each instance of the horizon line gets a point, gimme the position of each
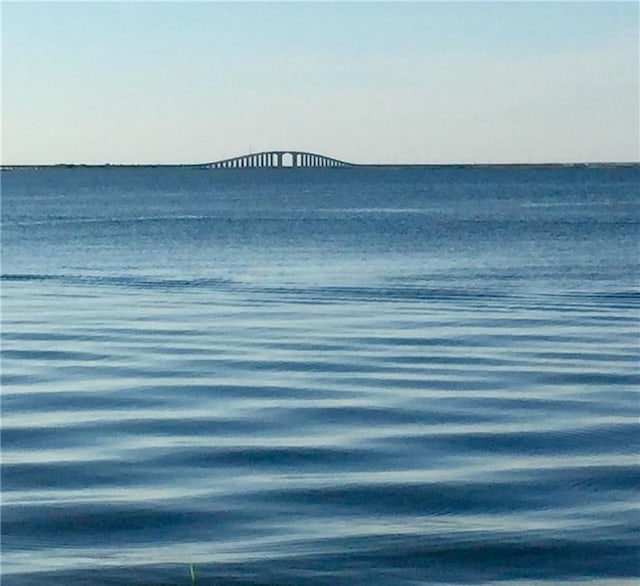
(9, 166)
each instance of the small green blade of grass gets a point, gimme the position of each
(192, 573)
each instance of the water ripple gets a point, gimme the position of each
(431, 387)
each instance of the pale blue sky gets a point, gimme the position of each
(420, 82)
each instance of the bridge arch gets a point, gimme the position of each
(277, 159)
(287, 160)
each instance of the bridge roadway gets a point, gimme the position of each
(277, 159)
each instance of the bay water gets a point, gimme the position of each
(362, 376)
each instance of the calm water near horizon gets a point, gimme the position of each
(288, 377)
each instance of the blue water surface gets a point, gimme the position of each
(363, 376)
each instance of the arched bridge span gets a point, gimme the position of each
(276, 159)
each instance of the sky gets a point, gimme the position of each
(367, 82)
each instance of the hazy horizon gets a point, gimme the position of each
(377, 83)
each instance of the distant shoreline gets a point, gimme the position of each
(204, 166)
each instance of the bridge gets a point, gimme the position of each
(277, 159)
